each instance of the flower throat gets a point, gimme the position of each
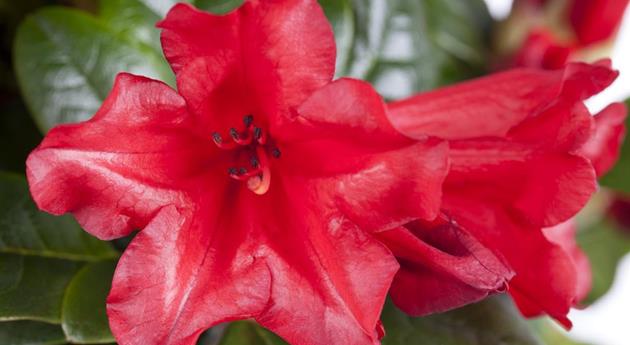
(257, 144)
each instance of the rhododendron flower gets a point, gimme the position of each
(594, 21)
(590, 22)
(517, 166)
(250, 183)
(602, 149)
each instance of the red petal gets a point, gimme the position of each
(366, 164)
(595, 21)
(188, 34)
(181, 275)
(492, 105)
(330, 279)
(563, 126)
(542, 188)
(442, 267)
(284, 259)
(564, 235)
(394, 188)
(338, 128)
(282, 50)
(545, 277)
(604, 145)
(111, 181)
(348, 108)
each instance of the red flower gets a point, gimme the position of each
(515, 141)
(542, 49)
(596, 20)
(249, 183)
(602, 149)
(591, 22)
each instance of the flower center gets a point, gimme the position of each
(257, 145)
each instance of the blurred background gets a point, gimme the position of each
(58, 59)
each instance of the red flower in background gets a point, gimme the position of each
(249, 183)
(516, 142)
(590, 21)
(596, 20)
(542, 49)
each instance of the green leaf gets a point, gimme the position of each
(619, 177)
(30, 333)
(406, 46)
(66, 61)
(11, 267)
(492, 321)
(83, 318)
(249, 333)
(26, 230)
(136, 19)
(605, 245)
(218, 6)
(39, 291)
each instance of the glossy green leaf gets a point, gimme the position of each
(66, 61)
(619, 177)
(84, 320)
(30, 333)
(406, 46)
(492, 321)
(26, 230)
(605, 245)
(39, 291)
(136, 19)
(249, 333)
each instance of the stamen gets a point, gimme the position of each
(257, 133)
(234, 134)
(239, 139)
(232, 171)
(218, 140)
(254, 162)
(276, 153)
(248, 120)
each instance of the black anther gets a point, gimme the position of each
(248, 120)
(257, 133)
(254, 162)
(234, 133)
(242, 171)
(232, 171)
(217, 137)
(275, 153)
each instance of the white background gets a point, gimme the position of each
(607, 322)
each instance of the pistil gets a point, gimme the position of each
(252, 138)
